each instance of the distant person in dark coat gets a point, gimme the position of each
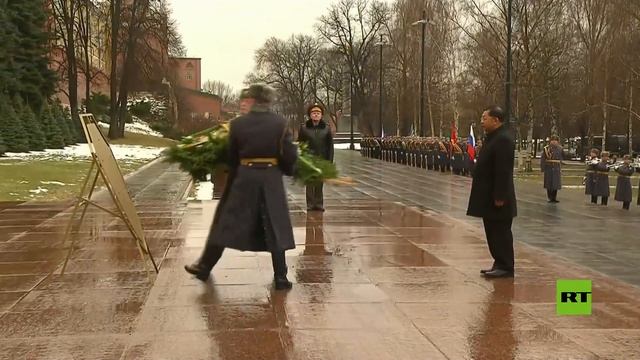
(493, 195)
(253, 214)
(590, 174)
(317, 135)
(624, 191)
(551, 166)
(601, 179)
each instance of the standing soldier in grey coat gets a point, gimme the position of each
(601, 179)
(253, 214)
(317, 135)
(623, 186)
(550, 165)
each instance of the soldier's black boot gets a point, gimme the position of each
(625, 205)
(200, 272)
(594, 199)
(605, 200)
(279, 263)
(210, 256)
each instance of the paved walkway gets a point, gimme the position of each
(390, 271)
(602, 238)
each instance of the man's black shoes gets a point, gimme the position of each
(196, 269)
(498, 273)
(282, 283)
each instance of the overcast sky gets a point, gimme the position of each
(225, 33)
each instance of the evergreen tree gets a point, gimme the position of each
(8, 40)
(34, 80)
(58, 114)
(3, 147)
(76, 133)
(35, 134)
(11, 127)
(55, 139)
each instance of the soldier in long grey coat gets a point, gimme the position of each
(623, 186)
(590, 174)
(601, 179)
(551, 166)
(253, 214)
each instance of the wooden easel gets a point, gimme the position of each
(106, 167)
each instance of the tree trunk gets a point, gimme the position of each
(630, 125)
(552, 113)
(429, 107)
(87, 43)
(115, 10)
(72, 64)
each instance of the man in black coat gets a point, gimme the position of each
(317, 135)
(253, 214)
(493, 195)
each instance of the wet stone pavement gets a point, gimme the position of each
(389, 271)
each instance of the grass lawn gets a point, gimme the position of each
(141, 139)
(48, 180)
(51, 179)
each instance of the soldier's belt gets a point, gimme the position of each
(262, 161)
(603, 172)
(553, 161)
(590, 171)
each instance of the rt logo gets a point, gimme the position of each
(573, 297)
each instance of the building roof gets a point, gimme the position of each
(184, 58)
(202, 93)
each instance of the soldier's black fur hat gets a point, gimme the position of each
(315, 106)
(262, 93)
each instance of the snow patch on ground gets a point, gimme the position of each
(39, 190)
(54, 183)
(137, 127)
(81, 151)
(346, 146)
(203, 190)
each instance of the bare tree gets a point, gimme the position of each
(352, 26)
(64, 14)
(287, 65)
(227, 93)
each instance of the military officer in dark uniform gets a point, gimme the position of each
(623, 185)
(317, 135)
(443, 155)
(550, 165)
(493, 195)
(601, 182)
(430, 155)
(457, 162)
(253, 214)
(590, 174)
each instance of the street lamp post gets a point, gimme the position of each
(424, 23)
(507, 100)
(351, 145)
(381, 43)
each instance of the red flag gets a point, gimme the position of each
(454, 133)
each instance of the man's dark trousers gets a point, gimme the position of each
(500, 240)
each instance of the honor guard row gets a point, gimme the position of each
(423, 152)
(596, 179)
